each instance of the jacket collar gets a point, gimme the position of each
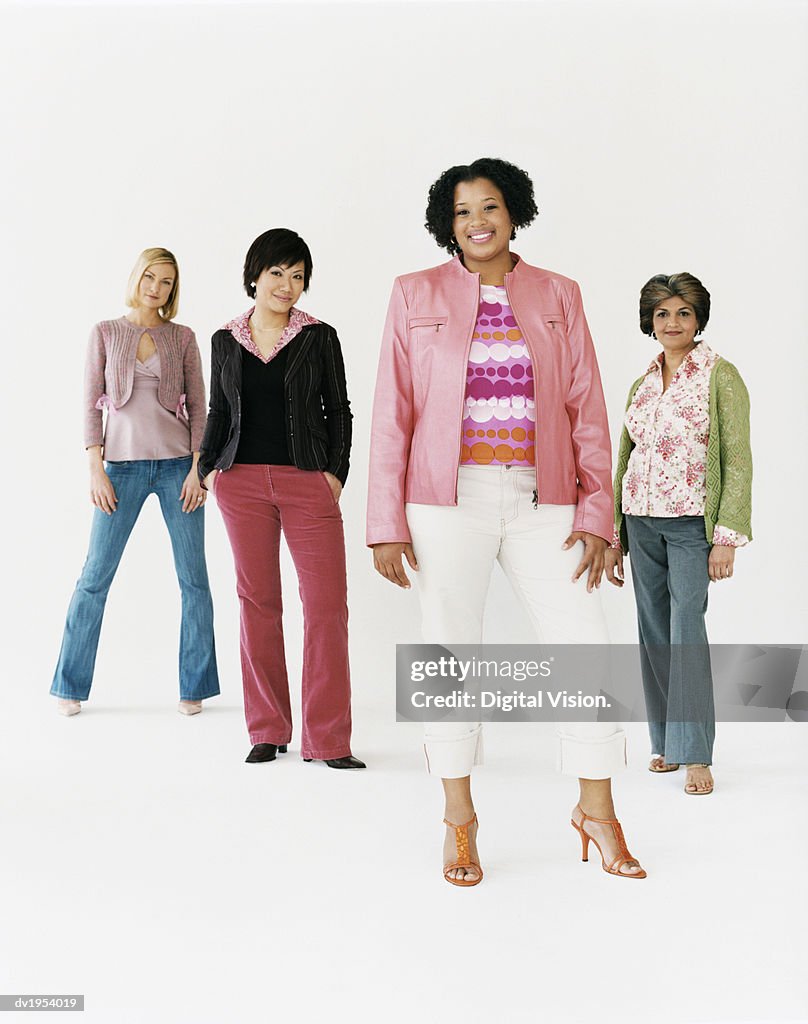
(239, 327)
(456, 266)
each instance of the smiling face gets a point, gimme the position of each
(156, 284)
(675, 325)
(278, 288)
(481, 224)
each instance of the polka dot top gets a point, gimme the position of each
(499, 418)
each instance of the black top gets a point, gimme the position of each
(318, 413)
(263, 411)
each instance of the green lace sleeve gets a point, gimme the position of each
(731, 407)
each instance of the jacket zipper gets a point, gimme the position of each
(535, 395)
(465, 369)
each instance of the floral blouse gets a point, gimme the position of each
(666, 474)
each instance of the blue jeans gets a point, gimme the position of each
(669, 568)
(134, 482)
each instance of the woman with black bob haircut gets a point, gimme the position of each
(464, 473)
(275, 455)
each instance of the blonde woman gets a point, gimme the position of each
(145, 371)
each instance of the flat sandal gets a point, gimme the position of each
(698, 792)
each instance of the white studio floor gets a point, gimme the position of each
(147, 867)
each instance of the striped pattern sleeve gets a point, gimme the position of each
(218, 420)
(336, 407)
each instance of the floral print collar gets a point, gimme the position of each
(696, 359)
(239, 327)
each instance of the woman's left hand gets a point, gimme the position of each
(335, 485)
(192, 494)
(593, 560)
(720, 564)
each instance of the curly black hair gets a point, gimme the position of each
(514, 184)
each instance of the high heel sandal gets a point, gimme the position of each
(623, 856)
(463, 857)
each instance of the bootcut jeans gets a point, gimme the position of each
(134, 481)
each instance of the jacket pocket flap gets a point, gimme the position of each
(427, 321)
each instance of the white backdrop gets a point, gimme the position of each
(660, 138)
(656, 143)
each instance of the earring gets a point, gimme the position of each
(252, 285)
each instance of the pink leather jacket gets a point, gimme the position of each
(420, 393)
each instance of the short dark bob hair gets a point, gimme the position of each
(278, 247)
(669, 286)
(514, 184)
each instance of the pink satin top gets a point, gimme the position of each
(143, 428)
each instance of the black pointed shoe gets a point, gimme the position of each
(264, 752)
(341, 762)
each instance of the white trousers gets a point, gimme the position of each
(496, 520)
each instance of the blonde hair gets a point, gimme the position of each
(145, 260)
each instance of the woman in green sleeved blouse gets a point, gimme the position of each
(682, 506)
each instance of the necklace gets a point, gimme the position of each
(266, 330)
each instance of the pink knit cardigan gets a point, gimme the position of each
(110, 371)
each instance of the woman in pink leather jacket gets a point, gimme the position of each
(464, 473)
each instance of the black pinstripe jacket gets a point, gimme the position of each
(318, 413)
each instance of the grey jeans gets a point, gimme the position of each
(669, 569)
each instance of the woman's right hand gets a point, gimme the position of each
(614, 566)
(102, 493)
(208, 481)
(387, 561)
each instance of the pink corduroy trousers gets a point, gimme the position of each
(257, 502)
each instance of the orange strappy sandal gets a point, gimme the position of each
(622, 857)
(463, 857)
